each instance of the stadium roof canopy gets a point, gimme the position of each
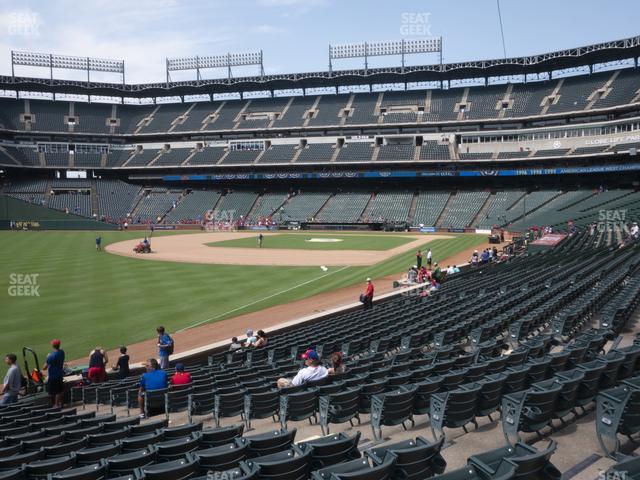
(616, 50)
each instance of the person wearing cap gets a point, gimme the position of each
(54, 366)
(180, 377)
(251, 338)
(367, 296)
(313, 371)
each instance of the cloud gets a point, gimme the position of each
(141, 38)
(268, 29)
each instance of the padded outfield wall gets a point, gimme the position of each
(36, 217)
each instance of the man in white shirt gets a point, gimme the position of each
(429, 259)
(12, 381)
(312, 372)
(635, 230)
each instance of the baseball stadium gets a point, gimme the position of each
(420, 262)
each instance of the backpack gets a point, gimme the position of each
(171, 346)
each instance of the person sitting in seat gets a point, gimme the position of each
(235, 345)
(122, 365)
(313, 371)
(180, 377)
(154, 379)
(251, 338)
(261, 340)
(337, 361)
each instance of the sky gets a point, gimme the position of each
(295, 34)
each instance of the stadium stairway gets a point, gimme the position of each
(447, 206)
(376, 152)
(453, 151)
(324, 206)
(412, 209)
(601, 92)
(255, 206)
(367, 209)
(482, 213)
(147, 120)
(6, 153)
(94, 196)
(552, 98)
(181, 118)
(137, 203)
(224, 155)
(296, 153)
(189, 157)
(538, 207)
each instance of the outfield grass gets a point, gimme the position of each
(89, 298)
(301, 241)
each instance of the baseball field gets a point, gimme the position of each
(55, 284)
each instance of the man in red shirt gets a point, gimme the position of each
(368, 295)
(180, 377)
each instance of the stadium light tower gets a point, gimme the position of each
(226, 60)
(66, 62)
(376, 49)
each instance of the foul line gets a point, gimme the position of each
(262, 299)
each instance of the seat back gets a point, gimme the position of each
(424, 390)
(262, 405)
(333, 449)
(339, 408)
(179, 469)
(270, 442)
(291, 464)
(214, 437)
(516, 380)
(298, 406)
(490, 393)
(154, 401)
(415, 459)
(397, 406)
(223, 457)
(357, 470)
(89, 472)
(228, 405)
(374, 387)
